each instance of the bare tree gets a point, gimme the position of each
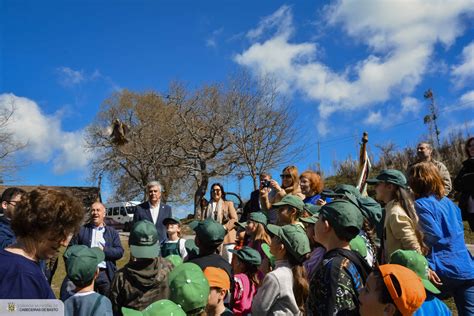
(262, 132)
(189, 137)
(386, 154)
(8, 144)
(146, 155)
(203, 143)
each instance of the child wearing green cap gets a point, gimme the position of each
(289, 209)
(342, 272)
(144, 279)
(161, 307)
(174, 245)
(317, 250)
(401, 229)
(189, 288)
(418, 264)
(247, 279)
(285, 289)
(258, 236)
(82, 270)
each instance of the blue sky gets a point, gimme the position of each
(345, 66)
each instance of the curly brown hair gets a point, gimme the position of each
(317, 183)
(50, 212)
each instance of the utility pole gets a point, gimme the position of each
(319, 159)
(431, 118)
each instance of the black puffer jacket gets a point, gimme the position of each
(464, 183)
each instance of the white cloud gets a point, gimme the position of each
(374, 118)
(466, 126)
(69, 77)
(465, 70)
(410, 104)
(45, 139)
(400, 37)
(212, 40)
(468, 98)
(281, 20)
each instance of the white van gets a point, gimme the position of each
(120, 214)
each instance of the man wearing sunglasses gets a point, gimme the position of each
(10, 198)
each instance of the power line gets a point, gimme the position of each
(347, 137)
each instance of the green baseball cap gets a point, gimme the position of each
(290, 200)
(82, 263)
(71, 250)
(343, 189)
(161, 307)
(309, 220)
(258, 217)
(143, 240)
(209, 231)
(391, 176)
(248, 255)
(293, 237)
(171, 220)
(417, 263)
(175, 260)
(358, 245)
(371, 209)
(311, 208)
(266, 251)
(189, 287)
(191, 248)
(343, 214)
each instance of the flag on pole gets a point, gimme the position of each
(364, 166)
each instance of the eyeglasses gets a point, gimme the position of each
(216, 190)
(285, 176)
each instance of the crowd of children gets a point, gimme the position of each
(338, 254)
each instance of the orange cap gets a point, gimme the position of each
(217, 278)
(412, 292)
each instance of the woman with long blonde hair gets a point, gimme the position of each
(401, 229)
(290, 184)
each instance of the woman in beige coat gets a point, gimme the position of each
(223, 212)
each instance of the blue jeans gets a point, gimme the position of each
(462, 292)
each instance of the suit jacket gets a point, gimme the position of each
(143, 212)
(113, 249)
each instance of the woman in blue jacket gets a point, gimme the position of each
(451, 264)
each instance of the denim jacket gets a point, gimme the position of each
(444, 235)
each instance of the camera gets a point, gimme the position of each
(266, 183)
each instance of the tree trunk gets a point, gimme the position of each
(199, 194)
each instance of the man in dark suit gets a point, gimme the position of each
(96, 234)
(153, 210)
